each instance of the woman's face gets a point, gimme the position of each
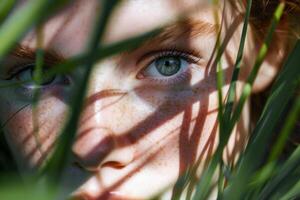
(149, 112)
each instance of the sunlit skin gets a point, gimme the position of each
(139, 128)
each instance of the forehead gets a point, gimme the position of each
(69, 30)
(137, 16)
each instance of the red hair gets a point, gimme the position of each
(262, 13)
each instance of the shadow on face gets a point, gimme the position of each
(149, 114)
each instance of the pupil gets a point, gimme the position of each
(168, 63)
(168, 66)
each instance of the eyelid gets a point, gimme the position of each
(18, 68)
(24, 55)
(191, 55)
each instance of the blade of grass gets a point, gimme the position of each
(203, 185)
(286, 131)
(248, 86)
(102, 52)
(191, 180)
(71, 64)
(220, 75)
(220, 83)
(237, 65)
(5, 8)
(291, 164)
(262, 176)
(294, 192)
(18, 24)
(37, 78)
(282, 91)
(10, 85)
(13, 188)
(258, 62)
(60, 157)
(221, 180)
(181, 184)
(285, 186)
(57, 163)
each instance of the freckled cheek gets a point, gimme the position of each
(166, 158)
(179, 141)
(167, 100)
(32, 147)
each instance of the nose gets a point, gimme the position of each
(97, 146)
(97, 143)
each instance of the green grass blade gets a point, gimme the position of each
(37, 78)
(102, 52)
(264, 49)
(258, 62)
(237, 65)
(282, 91)
(287, 129)
(262, 176)
(291, 164)
(18, 24)
(36, 94)
(220, 75)
(15, 189)
(221, 180)
(60, 157)
(204, 184)
(294, 192)
(11, 85)
(5, 8)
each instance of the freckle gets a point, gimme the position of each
(194, 90)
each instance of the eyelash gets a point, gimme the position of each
(190, 56)
(15, 70)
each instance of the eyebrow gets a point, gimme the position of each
(51, 57)
(191, 28)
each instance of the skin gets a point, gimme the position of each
(138, 130)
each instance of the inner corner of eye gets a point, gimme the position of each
(140, 75)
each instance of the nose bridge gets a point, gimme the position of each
(92, 146)
(102, 77)
(97, 144)
(103, 95)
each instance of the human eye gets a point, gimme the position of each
(168, 67)
(24, 75)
